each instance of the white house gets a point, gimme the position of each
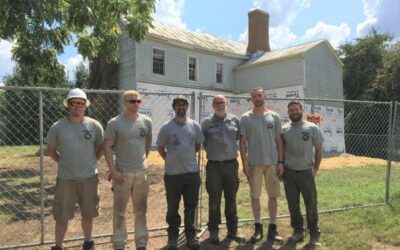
(174, 59)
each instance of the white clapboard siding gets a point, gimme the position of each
(323, 73)
(277, 74)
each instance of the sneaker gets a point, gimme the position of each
(56, 248)
(214, 238)
(88, 245)
(258, 233)
(193, 244)
(234, 235)
(297, 237)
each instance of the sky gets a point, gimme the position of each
(292, 22)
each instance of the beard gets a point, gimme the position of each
(296, 118)
(259, 103)
(221, 112)
(180, 112)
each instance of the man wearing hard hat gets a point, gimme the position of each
(75, 143)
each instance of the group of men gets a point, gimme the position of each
(291, 153)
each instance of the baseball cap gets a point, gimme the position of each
(76, 93)
(179, 98)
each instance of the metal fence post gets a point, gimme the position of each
(389, 150)
(42, 196)
(199, 155)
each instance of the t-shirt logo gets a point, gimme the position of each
(86, 134)
(142, 132)
(305, 136)
(175, 140)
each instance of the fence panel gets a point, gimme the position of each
(356, 143)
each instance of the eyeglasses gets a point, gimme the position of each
(77, 104)
(134, 101)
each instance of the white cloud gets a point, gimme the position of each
(282, 12)
(334, 34)
(369, 10)
(169, 12)
(71, 63)
(5, 59)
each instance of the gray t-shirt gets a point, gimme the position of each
(180, 140)
(221, 137)
(260, 132)
(299, 142)
(129, 141)
(77, 144)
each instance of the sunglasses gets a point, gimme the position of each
(134, 101)
(77, 104)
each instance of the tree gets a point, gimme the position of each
(388, 77)
(41, 29)
(362, 60)
(81, 76)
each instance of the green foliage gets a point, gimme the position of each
(81, 76)
(41, 29)
(362, 60)
(388, 78)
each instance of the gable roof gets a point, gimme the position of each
(268, 57)
(197, 40)
(206, 42)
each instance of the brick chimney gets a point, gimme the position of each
(258, 31)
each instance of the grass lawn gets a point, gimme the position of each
(362, 228)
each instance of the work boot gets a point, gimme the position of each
(88, 245)
(314, 240)
(193, 243)
(273, 234)
(214, 238)
(56, 248)
(258, 233)
(297, 236)
(234, 235)
(172, 241)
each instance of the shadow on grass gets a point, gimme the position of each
(20, 195)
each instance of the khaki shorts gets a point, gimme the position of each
(68, 192)
(271, 181)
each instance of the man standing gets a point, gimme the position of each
(221, 132)
(178, 141)
(301, 167)
(261, 149)
(129, 135)
(75, 143)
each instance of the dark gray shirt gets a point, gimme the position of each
(299, 142)
(221, 137)
(180, 140)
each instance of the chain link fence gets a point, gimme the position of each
(356, 134)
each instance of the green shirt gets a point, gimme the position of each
(76, 144)
(299, 142)
(260, 132)
(129, 141)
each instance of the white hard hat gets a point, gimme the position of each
(76, 93)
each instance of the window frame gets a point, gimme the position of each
(164, 61)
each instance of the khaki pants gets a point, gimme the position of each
(134, 186)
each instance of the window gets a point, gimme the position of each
(219, 76)
(158, 61)
(192, 68)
